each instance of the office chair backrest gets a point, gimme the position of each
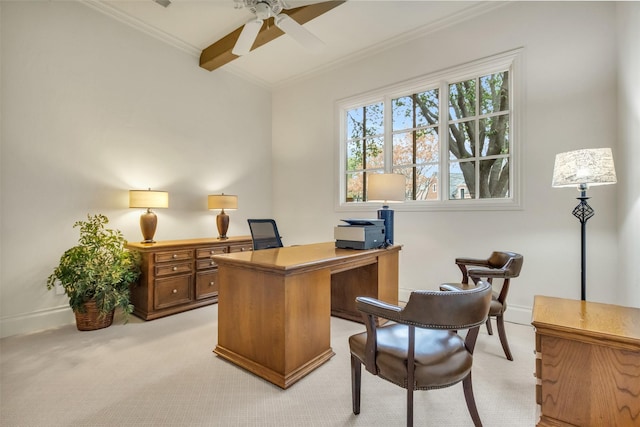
(264, 233)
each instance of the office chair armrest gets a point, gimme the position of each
(370, 308)
(489, 273)
(375, 307)
(473, 261)
(462, 264)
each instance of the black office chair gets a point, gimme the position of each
(264, 233)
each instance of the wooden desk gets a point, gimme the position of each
(274, 305)
(587, 363)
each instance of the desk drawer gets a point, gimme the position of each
(172, 291)
(174, 268)
(178, 255)
(206, 284)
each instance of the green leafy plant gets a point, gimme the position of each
(99, 268)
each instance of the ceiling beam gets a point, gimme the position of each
(219, 53)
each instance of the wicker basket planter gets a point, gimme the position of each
(92, 320)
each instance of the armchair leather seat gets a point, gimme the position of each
(441, 358)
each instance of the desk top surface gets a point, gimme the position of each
(587, 318)
(301, 256)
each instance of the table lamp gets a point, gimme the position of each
(581, 169)
(222, 201)
(148, 199)
(386, 188)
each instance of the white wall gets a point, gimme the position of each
(627, 166)
(569, 103)
(92, 108)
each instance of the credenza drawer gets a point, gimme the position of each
(207, 252)
(172, 291)
(202, 264)
(241, 248)
(178, 255)
(174, 268)
(206, 284)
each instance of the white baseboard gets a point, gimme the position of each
(37, 321)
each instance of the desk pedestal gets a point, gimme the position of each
(274, 325)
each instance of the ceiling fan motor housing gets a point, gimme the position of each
(265, 7)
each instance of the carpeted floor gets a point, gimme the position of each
(164, 373)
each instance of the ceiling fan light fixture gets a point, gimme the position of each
(247, 37)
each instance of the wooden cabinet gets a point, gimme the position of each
(587, 363)
(179, 275)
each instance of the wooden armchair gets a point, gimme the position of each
(501, 265)
(421, 349)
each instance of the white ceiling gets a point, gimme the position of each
(352, 30)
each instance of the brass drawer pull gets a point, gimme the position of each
(212, 283)
(175, 268)
(175, 291)
(175, 255)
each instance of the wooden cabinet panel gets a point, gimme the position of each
(587, 363)
(172, 291)
(207, 284)
(179, 275)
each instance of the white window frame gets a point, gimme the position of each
(511, 61)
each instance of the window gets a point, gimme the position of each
(452, 135)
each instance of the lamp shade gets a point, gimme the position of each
(590, 167)
(148, 199)
(386, 188)
(222, 201)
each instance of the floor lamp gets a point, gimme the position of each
(386, 188)
(583, 169)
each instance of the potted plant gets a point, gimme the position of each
(97, 274)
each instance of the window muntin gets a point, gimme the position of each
(365, 148)
(447, 146)
(479, 143)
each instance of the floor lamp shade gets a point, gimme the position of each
(386, 188)
(148, 200)
(222, 201)
(582, 169)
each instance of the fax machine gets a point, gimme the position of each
(360, 234)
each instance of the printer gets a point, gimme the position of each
(360, 234)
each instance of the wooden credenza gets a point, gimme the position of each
(587, 363)
(178, 275)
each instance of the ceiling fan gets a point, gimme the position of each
(259, 30)
(265, 9)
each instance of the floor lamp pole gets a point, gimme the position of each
(583, 212)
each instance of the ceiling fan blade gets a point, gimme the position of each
(298, 32)
(247, 37)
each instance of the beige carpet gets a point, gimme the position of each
(164, 373)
